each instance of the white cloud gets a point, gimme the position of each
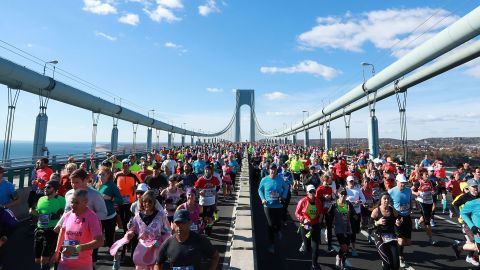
(105, 36)
(130, 18)
(209, 7)
(275, 95)
(29, 45)
(98, 7)
(390, 29)
(176, 47)
(307, 66)
(161, 13)
(170, 3)
(214, 90)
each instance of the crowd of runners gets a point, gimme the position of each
(347, 194)
(158, 211)
(152, 213)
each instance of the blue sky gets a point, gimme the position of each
(184, 58)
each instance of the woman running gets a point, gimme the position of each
(195, 211)
(385, 219)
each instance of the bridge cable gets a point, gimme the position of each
(320, 130)
(346, 119)
(12, 104)
(402, 105)
(134, 146)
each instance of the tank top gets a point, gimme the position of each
(389, 226)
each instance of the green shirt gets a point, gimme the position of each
(135, 167)
(110, 188)
(49, 211)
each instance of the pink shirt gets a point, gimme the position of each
(80, 230)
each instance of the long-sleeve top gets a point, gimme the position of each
(341, 220)
(110, 188)
(353, 195)
(308, 210)
(271, 190)
(470, 214)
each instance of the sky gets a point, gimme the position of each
(184, 60)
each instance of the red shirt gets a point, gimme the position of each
(320, 195)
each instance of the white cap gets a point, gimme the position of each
(401, 178)
(142, 187)
(350, 178)
(310, 187)
(430, 168)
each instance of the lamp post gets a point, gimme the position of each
(53, 63)
(307, 139)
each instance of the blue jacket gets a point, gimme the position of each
(272, 190)
(470, 214)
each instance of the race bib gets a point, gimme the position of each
(126, 199)
(194, 227)
(404, 207)
(327, 204)
(388, 237)
(43, 220)
(74, 256)
(208, 193)
(427, 197)
(274, 196)
(183, 267)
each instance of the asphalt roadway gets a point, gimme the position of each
(420, 255)
(17, 254)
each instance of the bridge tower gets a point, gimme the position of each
(245, 97)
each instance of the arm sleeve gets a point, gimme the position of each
(117, 197)
(261, 191)
(466, 214)
(362, 197)
(100, 207)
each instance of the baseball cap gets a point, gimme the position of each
(350, 178)
(430, 168)
(126, 161)
(181, 216)
(401, 178)
(472, 183)
(310, 187)
(106, 163)
(142, 187)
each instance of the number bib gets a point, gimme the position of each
(74, 256)
(388, 237)
(274, 196)
(126, 199)
(43, 220)
(327, 204)
(194, 227)
(183, 267)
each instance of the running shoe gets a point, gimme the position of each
(472, 260)
(302, 248)
(432, 242)
(116, 265)
(338, 262)
(215, 216)
(433, 223)
(370, 239)
(330, 250)
(451, 214)
(354, 253)
(456, 249)
(271, 249)
(417, 224)
(403, 264)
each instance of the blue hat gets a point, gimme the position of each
(181, 216)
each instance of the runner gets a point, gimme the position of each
(385, 219)
(48, 211)
(171, 196)
(272, 190)
(355, 196)
(424, 190)
(325, 194)
(309, 212)
(195, 211)
(342, 213)
(207, 185)
(186, 249)
(80, 233)
(402, 199)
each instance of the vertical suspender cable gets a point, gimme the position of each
(7, 142)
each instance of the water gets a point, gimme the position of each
(24, 149)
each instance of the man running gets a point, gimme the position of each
(401, 197)
(207, 185)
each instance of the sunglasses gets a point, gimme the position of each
(48, 187)
(312, 191)
(343, 193)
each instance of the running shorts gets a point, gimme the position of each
(208, 211)
(405, 228)
(426, 212)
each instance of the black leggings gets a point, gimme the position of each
(329, 228)
(285, 205)
(274, 220)
(312, 242)
(388, 253)
(355, 223)
(125, 215)
(108, 227)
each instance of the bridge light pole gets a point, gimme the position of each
(307, 139)
(373, 138)
(53, 63)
